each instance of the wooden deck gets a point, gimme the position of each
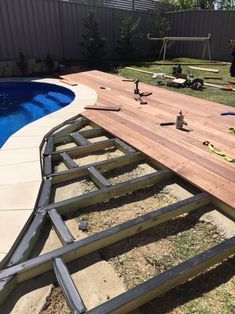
(182, 152)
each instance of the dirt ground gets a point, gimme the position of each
(151, 252)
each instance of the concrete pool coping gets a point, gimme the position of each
(20, 165)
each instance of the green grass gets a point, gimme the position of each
(209, 93)
(212, 292)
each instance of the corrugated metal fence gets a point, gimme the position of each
(39, 27)
(221, 25)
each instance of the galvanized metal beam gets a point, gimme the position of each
(68, 161)
(88, 133)
(45, 192)
(47, 166)
(40, 264)
(99, 180)
(91, 133)
(76, 151)
(224, 208)
(72, 204)
(66, 283)
(126, 149)
(49, 146)
(60, 227)
(104, 165)
(26, 245)
(79, 123)
(79, 139)
(173, 277)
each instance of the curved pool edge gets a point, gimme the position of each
(20, 165)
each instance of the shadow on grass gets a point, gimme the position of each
(192, 289)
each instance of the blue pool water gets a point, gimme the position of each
(22, 103)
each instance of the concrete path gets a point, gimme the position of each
(20, 165)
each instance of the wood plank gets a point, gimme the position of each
(68, 82)
(203, 69)
(181, 165)
(184, 143)
(196, 165)
(103, 107)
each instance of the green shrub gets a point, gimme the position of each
(49, 62)
(22, 63)
(93, 45)
(126, 45)
(159, 28)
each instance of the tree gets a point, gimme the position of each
(159, 29)
(225, 4)
(194, 4)
(92, 45)
(126, 45)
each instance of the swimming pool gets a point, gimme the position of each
(25, 102)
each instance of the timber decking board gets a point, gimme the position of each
(182, 152)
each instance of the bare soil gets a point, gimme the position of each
(154, 251)
(88, 159)
(105, 154)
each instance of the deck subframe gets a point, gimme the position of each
(21, 267)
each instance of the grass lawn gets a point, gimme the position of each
(209, 93)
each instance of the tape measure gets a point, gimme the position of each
(218, 152)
